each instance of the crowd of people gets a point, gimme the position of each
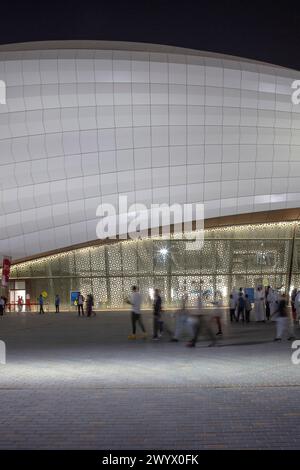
(4, 304)
(80, 302)
(268, 304)
(240, 306)
(193, 321)
(89, 303)
(199, 318)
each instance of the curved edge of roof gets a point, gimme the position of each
(128, 47)
(254, 218)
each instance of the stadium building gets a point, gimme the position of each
(85, 122)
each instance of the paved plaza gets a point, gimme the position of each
(78, 383)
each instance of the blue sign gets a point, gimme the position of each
(250, 292)
(74, 297)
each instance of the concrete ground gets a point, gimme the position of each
(78, 383)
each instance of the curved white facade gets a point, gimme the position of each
(82, 126)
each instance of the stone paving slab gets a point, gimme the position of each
(78, 383)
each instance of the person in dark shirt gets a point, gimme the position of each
(41, 304)
(2, 303)
(293, 298)
(57, 303)
(248, 308)
(89, 305)
(268, 313)
(156, 313)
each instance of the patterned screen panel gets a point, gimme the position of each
(230, 257)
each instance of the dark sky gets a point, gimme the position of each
(264, 30)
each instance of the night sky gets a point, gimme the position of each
(264, 30)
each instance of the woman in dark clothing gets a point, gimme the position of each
(156, 313)
(268, 314)
(89, 305)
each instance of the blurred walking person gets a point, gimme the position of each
(6, 303)
(297, 305)
(293, 299)
(20, 304)
(156, 314)
(218, 315)
(282, 320)
(248, 308)
(28, 303)
(268, 312)
(2, 304)
(240, 308)
(235, 294)
(232, 308)
(183, 321)
(202, 324)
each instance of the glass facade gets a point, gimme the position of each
(230, 257)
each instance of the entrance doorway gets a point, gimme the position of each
(17, 296)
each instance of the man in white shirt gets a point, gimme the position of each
(135, 301)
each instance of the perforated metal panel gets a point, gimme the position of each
(241, 256)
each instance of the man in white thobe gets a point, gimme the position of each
(259, 305)
(272, 298)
